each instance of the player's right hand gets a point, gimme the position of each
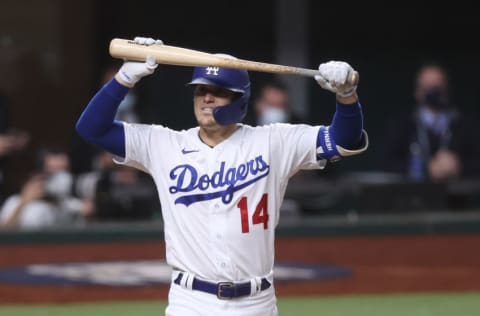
(334, 77)
(132, 71)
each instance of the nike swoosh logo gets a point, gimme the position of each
(184, 151)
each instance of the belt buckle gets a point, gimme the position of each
(221, 285)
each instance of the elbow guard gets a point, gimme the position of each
(327, 149)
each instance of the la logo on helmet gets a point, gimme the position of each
(213, 71)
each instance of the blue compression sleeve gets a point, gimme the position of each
(347, 125)
(97, 123)
(345, 131)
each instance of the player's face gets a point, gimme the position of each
(206, 98)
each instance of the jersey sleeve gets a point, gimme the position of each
(295, 147)
(139, 139)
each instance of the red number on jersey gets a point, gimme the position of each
(260, 216)
(261, 212)
(242, 205)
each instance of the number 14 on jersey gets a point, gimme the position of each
(260, 216)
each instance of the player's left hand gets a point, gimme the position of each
(334, 77)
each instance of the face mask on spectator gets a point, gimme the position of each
(59, 184)
(273, 115)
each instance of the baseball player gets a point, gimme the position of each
(221, 183)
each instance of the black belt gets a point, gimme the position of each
(223, 290)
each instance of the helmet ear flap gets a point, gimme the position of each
(233, 112)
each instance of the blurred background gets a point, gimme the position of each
(403, 217)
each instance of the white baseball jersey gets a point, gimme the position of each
(220, 205)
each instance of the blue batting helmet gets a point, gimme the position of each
(231, 79)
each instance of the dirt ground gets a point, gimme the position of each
(379, 265)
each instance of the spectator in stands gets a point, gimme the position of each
(272, 105)
(46, 198)
(435, 141)
(118, 192)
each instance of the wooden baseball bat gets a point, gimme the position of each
(171, 55)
